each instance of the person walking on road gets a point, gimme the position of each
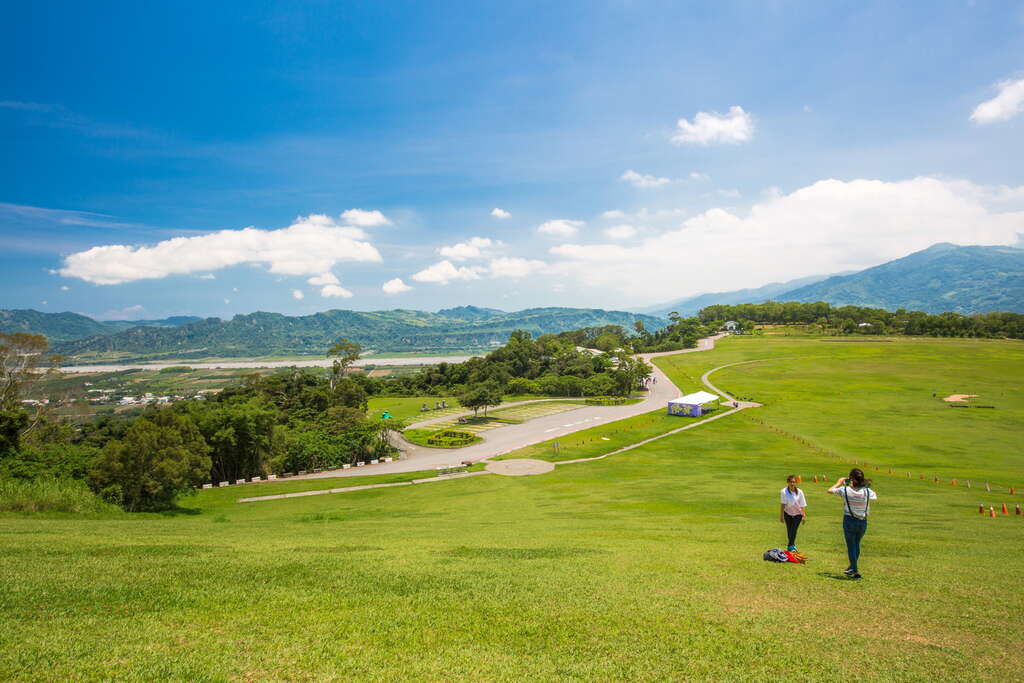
(857, 496)
(792, 510)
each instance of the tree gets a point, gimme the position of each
(345, 354)
(158, 459)
(21, 357)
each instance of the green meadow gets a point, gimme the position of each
(644, 566)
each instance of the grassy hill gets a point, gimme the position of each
(273, 334)
(944, 277)
(641, 567)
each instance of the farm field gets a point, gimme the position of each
(641, 567)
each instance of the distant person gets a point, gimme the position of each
(857, 496)
(792, 509)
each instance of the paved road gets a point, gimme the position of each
(511, 437)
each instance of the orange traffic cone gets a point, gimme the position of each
(952, 482)
(799, 479)
(981, 509)
(1004, 509)
(1012, 492)
(991, 511)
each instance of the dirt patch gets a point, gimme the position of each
(959, 398)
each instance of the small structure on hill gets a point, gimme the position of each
(731, 326)
(692, 405)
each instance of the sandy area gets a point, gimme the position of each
(953, 398)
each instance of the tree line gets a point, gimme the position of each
(872, 321)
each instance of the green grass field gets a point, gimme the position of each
(645, 566)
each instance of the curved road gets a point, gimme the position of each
(511, 437)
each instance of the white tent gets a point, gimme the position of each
(691, 404)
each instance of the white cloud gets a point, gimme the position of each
(829, 226)
(500, 213)
(466, 250)
(364, 219)
(227, 301)
(337, 291)
(1004, 106)
(323, 279)
(709, 127)
(697, 175)
(514, 267)
(395, 286)
(729, 194)
(297, 294)
(620, 232)
(561, 227)
(444, 272)
(311, 245)
(643, 182)
(208, 276)
(614, 214)
(64, 288)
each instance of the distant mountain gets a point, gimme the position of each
(273, 334)
(943, 277)
(174, 321)
(470, 313)
(62, 327)
(57, 327)
(690, 305)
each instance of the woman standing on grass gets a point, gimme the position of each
(857, 497)
(792, 509)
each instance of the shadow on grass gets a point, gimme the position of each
(178, 511)
(837, 576)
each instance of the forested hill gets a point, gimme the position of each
(941, 278)
(61, 327)
(273, 334)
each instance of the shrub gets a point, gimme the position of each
(51, 495)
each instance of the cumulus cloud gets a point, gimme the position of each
(311, 245)
(466, 250)
(297, 294)
(561, 227)
(614, 214)
(500, 213)
(364, 219)
(336, 291)
(1004, 106)
(643, 182)
(709, 127)
(444, 272)
(697, 175)
(323, 279)
(829, 226)
(620, 232)
(514, 267)
(395, 286)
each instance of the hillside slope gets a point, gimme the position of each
(943, 277)
(270, 334)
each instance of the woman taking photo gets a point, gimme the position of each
(857, 497)
(792, 509)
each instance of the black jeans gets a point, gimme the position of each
(792, 524)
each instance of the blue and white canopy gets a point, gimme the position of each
(698, 398)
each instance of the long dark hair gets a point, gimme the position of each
(857, 479)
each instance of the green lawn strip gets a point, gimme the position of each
(408, 409)
(874, 402)
(645, 568)
(604, 438)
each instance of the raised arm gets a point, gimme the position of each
(840, 482)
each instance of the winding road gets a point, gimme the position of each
(512, 437)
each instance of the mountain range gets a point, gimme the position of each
(944, 277)
(273, 334)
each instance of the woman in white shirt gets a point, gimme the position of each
(792, 509)
(857, 496)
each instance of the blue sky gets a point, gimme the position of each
(642, 151)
